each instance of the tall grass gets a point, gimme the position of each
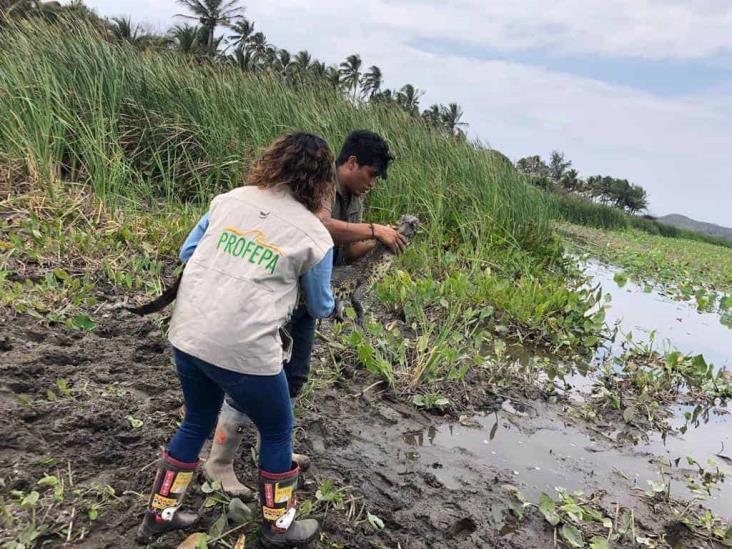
(151, 126)
(164, 133)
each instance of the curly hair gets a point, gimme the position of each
(301, 161)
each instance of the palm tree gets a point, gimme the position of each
(210, 14)
(384, 96)
(284, 64)
(333, 76)
(284, 60)
(433, 115)
(244, 59)
(241, 33)
(351, 72)
(408, 99)
(257, 45)
(318, 69)
(302, 60)
(451, 116)
(25, 8)
(186, 38)
(270, 58)
(124, 31)
(371, 81)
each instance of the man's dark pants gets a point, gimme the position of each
(302, 330)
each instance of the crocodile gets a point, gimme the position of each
(349, 282)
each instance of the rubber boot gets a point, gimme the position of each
(220, 463)
(163, 508)
(278, 501)
(303, 461)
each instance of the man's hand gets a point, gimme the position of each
(391, 238)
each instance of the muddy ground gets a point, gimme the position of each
(119, 404)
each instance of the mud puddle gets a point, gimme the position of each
(541, 450)
(674, 325)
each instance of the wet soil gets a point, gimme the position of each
(121, 406)
(122, 374)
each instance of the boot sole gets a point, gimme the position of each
(145, 536)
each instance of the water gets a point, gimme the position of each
(542, 450)
(676, 323)
(545, 451)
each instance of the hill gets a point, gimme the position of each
(683, 222)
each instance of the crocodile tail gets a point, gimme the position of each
(158, 304)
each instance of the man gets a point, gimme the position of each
(364, 157)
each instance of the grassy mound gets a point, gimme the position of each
(112, 154)
(147, 126)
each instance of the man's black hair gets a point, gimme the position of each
(369, 148)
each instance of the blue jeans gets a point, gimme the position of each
(265, 399)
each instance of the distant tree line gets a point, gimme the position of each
(247, 48)
(558, 175)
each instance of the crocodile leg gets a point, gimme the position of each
(356, 298)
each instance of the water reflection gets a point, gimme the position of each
(547, 451)
(544, 451)
(650, 315)
(417, 438)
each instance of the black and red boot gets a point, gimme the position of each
(278, 502)
(163, 508)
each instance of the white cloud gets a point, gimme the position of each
(677, 148)
(655, 29)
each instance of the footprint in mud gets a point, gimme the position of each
(128, 437)
(463, 528)
(5, 345)
(89, 421)
(107, 331)
(316, 434)
(154, 346)
(36, 337)
(129, 327)
(151, 389)
(20, 387)
(32, 416)
(62, 340)
(150, 352)
(431, 480)
(61, 358)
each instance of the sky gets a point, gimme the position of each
(636, 89)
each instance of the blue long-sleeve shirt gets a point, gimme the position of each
(315, 283)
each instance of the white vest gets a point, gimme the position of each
(241, 283)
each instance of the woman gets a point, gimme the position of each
(245, 261)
